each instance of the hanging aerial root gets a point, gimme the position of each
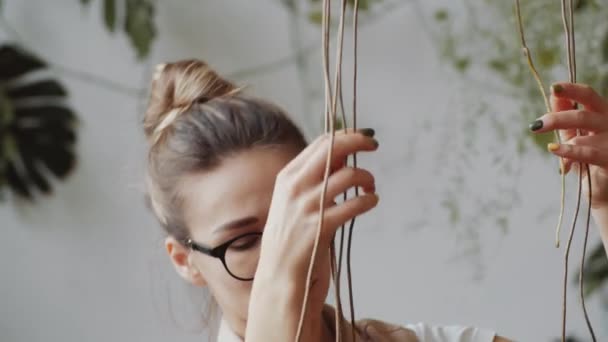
(568, 23)
(541, 87)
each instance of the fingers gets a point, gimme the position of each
(582, 94)
(340, 182)
(590, 153)
(344, 145)
(598, 141)
(303, 157)
(339, 214)
(570, 120)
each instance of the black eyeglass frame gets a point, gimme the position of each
(220, 251)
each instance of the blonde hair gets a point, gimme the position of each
(193, 120)
(175, 88)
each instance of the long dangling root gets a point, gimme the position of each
(354, 120)
(568, 23)
(541, 87)
(330, 119)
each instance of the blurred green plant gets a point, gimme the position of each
(489, 42)
(138, 22)
(37, 128)
(315, 13)
(37, 131)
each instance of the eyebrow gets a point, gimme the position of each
(236, 224)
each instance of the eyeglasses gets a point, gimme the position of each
(239, 256)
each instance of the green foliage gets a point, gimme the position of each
(109, 14)
(316, 17)
(140, 26)
(315, 13)
(488, 38)
(604, 47)
(338, 123)
(36, 130)
(138, 23)
(441, 15)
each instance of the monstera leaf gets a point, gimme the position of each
(37, 132)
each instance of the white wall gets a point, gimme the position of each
(87, 264)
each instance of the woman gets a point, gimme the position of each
(224, 167)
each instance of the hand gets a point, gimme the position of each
(291, 229)
(592, 146)
(294, 211)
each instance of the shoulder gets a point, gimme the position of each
(376, 330)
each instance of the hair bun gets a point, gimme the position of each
(176, 87)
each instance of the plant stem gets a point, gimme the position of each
(541, 86)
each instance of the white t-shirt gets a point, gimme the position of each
(369, 330)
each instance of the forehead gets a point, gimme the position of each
(239, 187)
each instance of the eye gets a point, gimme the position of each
(245, 242)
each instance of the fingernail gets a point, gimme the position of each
(376, 144)
(557, 88)
(368, 132)
(536, 125)
(553, 147)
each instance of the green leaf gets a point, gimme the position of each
(139, 25)
(37, 132)
(454, 211)
(581, 4)
(40, 88)
(548, 57)
(364, 5)
(604, 47)
(109, 14)
(441, 15)
(500, 66)
(15, 62)
(17, 183)
(338, 124)
(462, 64)
(316, 17)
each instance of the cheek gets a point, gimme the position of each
(232, 295)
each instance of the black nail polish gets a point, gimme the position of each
(536, 125)
(368, 132)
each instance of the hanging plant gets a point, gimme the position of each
(37, 129)
(138, 22)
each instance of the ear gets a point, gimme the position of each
(183, 263)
